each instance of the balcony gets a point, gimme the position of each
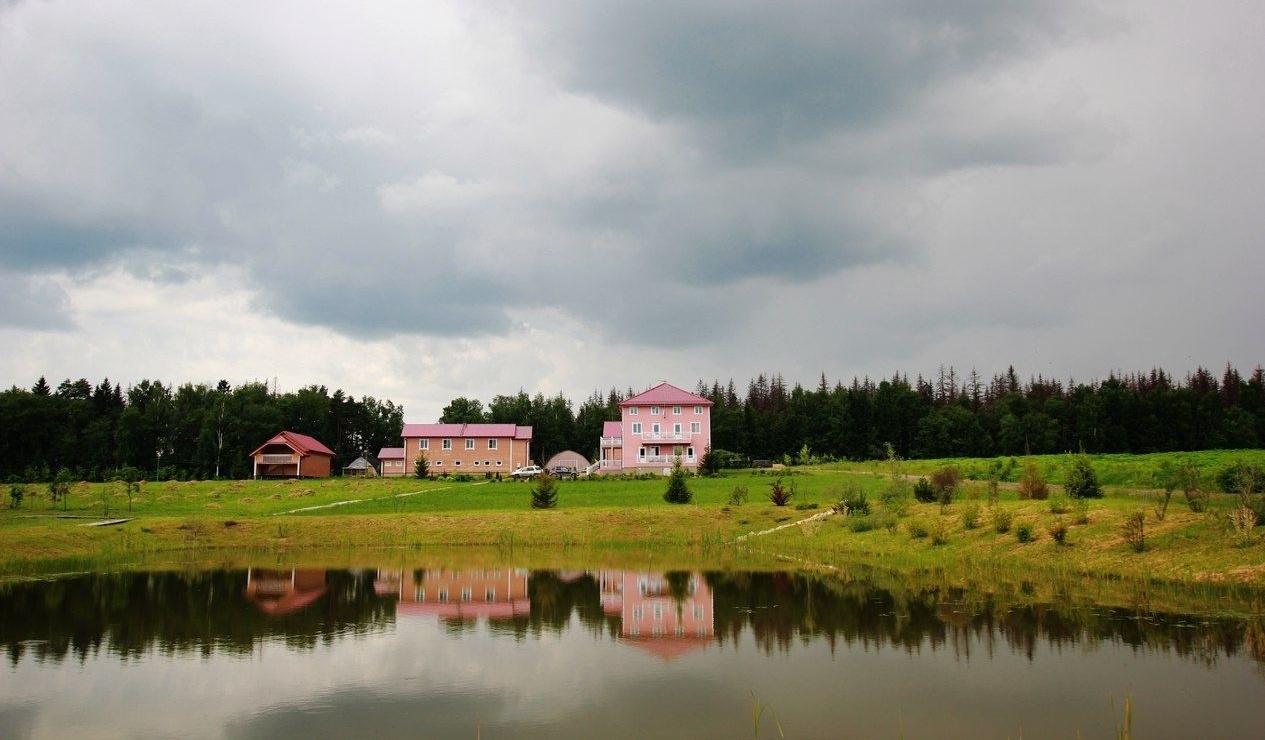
(612, 442)
(683, 437)
(611, 464)
(663, 459)
(277, 459)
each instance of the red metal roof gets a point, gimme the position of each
(612, 429)
(391, 453)
(665, 394)
(300, 443)
(466, 430)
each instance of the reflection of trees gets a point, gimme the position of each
(554, 601)
(132, 613)
(778, 608)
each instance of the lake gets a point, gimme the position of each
(503, 651)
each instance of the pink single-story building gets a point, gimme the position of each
(655, 428)
(391, 462)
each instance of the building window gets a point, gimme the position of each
(641, 453)
(425, 444)
(447, 445)
(676, 410)
(469, 444)
(654, 429)
(655, 410)
(696, 427)
(632, 410)
(498, 463)
(689, 453)
(676, 429)
(443, 595)
(489, 594)
(476, 463)
(467, 594)
(438, 463)
(636, 427)
(698, 611)
(491, 444)
(457, 463)
(637, 612)
(658, 611)
(698, 410)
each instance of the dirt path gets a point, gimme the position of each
(360, 500)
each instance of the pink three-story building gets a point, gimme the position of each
(655, 427)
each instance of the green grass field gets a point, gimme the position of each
(283, 519)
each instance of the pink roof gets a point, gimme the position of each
(466, 430)
(391, 453)
(612, 429)
(665, 394)
(301, 443)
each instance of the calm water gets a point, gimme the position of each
(505, 652)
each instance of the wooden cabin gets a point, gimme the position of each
(292, 455)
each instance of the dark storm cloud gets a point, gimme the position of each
(771, 142)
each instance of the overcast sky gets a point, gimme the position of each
(442, 199)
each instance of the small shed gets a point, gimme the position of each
(569, 458)
(392, 461)
(360, 467)
(292, 455)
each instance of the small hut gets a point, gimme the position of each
(292, 455)
(569, 458)
(360, 467)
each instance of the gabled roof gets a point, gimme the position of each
(358, 464)
(665, 394)
(300, 443)
(612, 429)
(466, 430)
(391, 453)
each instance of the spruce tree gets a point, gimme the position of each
(678, 492)
(544, 495)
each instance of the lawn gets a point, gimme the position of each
(282, 519)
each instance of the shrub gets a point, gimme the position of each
(421, 466)
(1001, 520)
(462, 478)
(924, 492)
(544, 494)
(1241, 521)
(1025, 532)
(993, 487)
(1082, 511)
(1058, 504)
(1032, 483)
(677, 492)
(130, 477)
(1058, 531)
(940, 532)
(16, 493)
(1166, 478)
(738, 496)
(1186, 476)
(945, 483)
(890, 522)
(970, 515)
(59, 489)
(854, 502)
(1134, 531)
(780, 493)
(1233, 477)
(918, 529)
(1082, 481)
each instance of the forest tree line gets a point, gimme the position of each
(167, 432)
(201, 431)
(945, 416)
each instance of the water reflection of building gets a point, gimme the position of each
(667, 614)
(281, 592)
(494, 593)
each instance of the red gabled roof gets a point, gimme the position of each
(612, 429)
(665, 394)
(300, 443)
(391, 453)
(466, 430)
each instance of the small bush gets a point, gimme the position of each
(1002, 519)
(854, 502)
(1134, 531)
(1082, 511)
(970, 515)
(677, 492)
(1058, 531)
(993, 489)
(918, 529)
(780, 493)
(1241, 521)
(945, 482)
(924, 492)
(940, 532)
(16, 493)
(738, 496)
(1082, 481)
(1235, 476)
(544, 494)
(1025, 532)
(462, 478)
(1032, 483)
(1058, 504)
(890, 522)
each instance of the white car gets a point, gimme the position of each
(528, 471)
